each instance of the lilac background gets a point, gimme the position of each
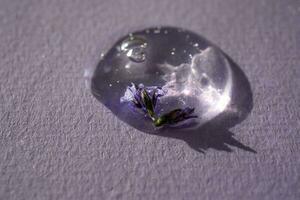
(59, 142)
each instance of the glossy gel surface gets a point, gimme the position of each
(194, 72)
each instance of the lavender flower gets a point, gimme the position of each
(146, 98)
(143, 97)
(132, 95)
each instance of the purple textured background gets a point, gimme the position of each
(59, 142)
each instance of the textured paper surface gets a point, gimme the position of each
(59, 142)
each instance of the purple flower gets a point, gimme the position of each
(132, 95)
(143, 97)
(146, 99)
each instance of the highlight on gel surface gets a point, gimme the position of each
(196, 78)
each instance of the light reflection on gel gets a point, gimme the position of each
(193, 71)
